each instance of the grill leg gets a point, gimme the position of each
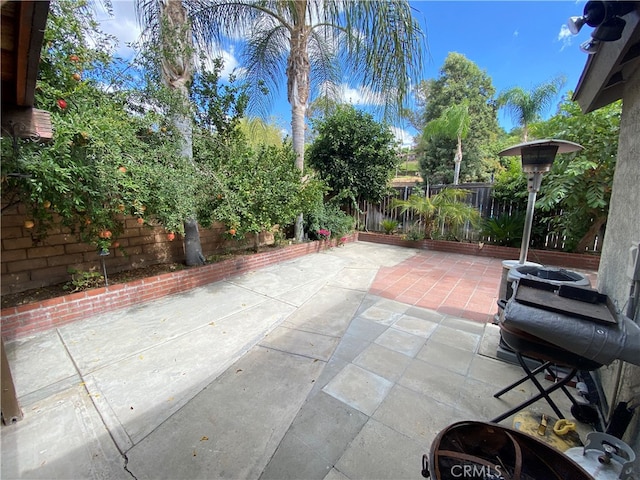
(522, 380)
(544, 393)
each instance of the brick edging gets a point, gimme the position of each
(544, 257)
(54, 312)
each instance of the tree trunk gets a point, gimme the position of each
(177, 72)
(298, 71)
(457, 160)
(587, 240)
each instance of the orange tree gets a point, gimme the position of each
(115, 152)
(249, 189)
(108, 157)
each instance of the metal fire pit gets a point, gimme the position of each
(477, 450)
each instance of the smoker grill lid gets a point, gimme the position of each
(600, 342)
(567, 300)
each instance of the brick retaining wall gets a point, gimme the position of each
(29, 262)
(55, 312)
(544, 257)
(38, 316)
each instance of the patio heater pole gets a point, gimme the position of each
(536, 179)
(537, 158)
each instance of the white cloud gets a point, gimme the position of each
(122, 25)
(403, 137)
(355, 96)
(565, 36)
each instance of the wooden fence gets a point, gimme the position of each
(369, 216)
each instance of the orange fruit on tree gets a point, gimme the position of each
(105, 234)
(46, 204)
(76, 76)
(171, 236)
(29, 224)
(140, 220)
(232, 231)
(115, 244)
(122, 169)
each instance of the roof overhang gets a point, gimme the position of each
(605, 73)
(22, 34)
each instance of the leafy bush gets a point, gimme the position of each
(83, 280)
(415, 233)
(446, 210)
(389, 226)
(505, 229)
(354, 154)
(328, 216)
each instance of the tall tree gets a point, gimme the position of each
(579, 185)
(171, 32)
(527, 106)
(354, 154)
(454, 123)
(378, 42)
(260, 133)
(459, 80)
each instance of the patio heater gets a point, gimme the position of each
(537, 159)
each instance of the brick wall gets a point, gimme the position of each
(29, 262)
(38, 316)
(544, 257)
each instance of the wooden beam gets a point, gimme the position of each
(11, 412)
(26, 122)
(592, 92)
(31, 24)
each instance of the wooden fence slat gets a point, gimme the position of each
(481, 197)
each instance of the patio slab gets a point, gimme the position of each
(307, 369)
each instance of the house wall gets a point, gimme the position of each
(623, 229)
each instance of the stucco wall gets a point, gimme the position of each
(623, 228)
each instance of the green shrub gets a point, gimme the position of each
(83, 280)
(328, 216)
(389, 226)
(415, 233)
(505, 229)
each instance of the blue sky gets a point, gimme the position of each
(518, 43)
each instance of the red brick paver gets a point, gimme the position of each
(453, 284)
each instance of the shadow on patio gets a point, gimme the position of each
(341, 364)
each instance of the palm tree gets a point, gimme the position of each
(454, 123)
(446, 208)
(525, 106)
(378, 42)
(171, 33)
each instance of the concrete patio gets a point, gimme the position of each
(338, 365)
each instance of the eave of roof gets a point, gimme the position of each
(606, 71)
(22, 34)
